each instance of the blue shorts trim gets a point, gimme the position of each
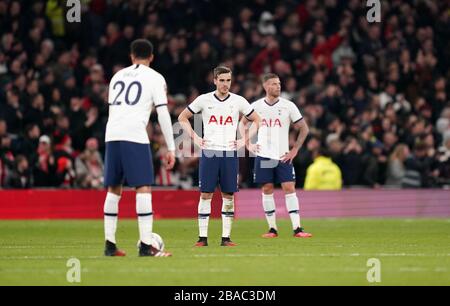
(219, 168)
(129, 164)
(272, 171)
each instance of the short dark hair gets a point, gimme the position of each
(221, 70)
(141, 48)
(269, 76)
(420, 146)
(324, 152)
(20, 158)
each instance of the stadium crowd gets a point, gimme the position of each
(375, 95)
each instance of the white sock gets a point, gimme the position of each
(269, 209)
(144, 211)
(227, 216)
(111, 211)
(204, 212)
(294, 209)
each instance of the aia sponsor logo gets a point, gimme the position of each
(221, 120)
(271, 122)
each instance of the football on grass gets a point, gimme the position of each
(157, 242)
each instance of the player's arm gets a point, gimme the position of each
(183, 119)
(303, 128)
(159, 96)
(167, 129)
(250, 118)
(248, 128)
(255, 120)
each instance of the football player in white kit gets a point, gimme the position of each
(219, 162)
(133, 92)
(273, 165)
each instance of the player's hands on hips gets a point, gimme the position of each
(200, 142)
(254, 148)
(289, 157)
(237, 144)
(170, 160)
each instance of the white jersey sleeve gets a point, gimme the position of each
(295, 114)
(113, 89)
(197, 105)
(166, 126)
(160, 92)
(245, 107)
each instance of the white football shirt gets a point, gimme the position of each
(220, 118)
(273, 133)
(132, 93)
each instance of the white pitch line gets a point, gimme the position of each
(143, 270)
(23, 247)
(324, 255)
(47, 271)
(196, 271)
(47, 257)
(239, 255)
(120, 271)
(419, 270)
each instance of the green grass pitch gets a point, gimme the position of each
(411, 252)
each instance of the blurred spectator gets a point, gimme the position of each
(63, 153)
(3, 128)
(444, 160)
(55, 12)
(305, 158)
(203, 61)
(370, 86)
(6, 159)
(443, 123)
(28, 144)
(45, 168)
(324, 48)
(266, 26)
(36, 113)
(375, 165)
(418, 168)
(323, 174)
(89, 166)
(267, 58)
(352, 162)
(335, 148)
(13, 111)
(396, 171)
(21, 176)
